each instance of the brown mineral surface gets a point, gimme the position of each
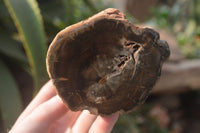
(105, 64)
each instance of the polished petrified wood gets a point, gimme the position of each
(105, 64)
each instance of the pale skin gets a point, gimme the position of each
(47, 114)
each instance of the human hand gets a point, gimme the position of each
(47, 114)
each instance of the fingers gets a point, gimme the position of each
(70, 118)
(50, 110)
(41, 119)
(47, 112)
(46, 92)
(104, 124)
(94, 124)
(65, 123)
(84, 122)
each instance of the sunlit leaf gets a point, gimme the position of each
(27, 18)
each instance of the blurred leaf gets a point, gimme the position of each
(90, 5)
(191, 28)
(27, 18)
(11, 48)
(139, 121)
(126, 124)
(196, 10)
(69, 7)
(10, 102)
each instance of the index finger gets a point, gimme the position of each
(46, 92)
(104, 124)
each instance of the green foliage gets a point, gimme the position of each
(139, 121)
(10, 100)
(27, 18)
(190, 40)
(183, 18)
(11, 50)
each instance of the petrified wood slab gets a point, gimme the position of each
(105, 64)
